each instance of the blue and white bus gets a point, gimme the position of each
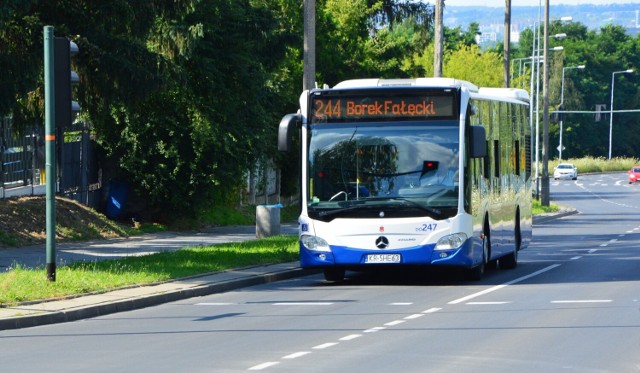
(404, 172)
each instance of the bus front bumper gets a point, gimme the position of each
(467, 255)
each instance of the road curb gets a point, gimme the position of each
(95, 310)
(543, 218)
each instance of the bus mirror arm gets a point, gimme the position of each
(285, 131)
(478, 142)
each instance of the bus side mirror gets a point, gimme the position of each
(478, 142)
(285, 131)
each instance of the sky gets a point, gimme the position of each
(500, 3)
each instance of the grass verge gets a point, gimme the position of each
(537, 208)
(23, 284)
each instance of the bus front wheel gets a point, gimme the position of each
(476, 273)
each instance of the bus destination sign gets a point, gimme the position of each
(333, 109)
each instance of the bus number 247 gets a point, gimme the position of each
(427, 228)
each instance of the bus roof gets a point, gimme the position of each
(508, 93)
(512, 93)
(418, 82)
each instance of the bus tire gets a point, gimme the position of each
(511, 261)
(334, 274)
(476, 273)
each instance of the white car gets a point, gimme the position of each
(565, 171)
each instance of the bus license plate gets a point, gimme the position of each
(383, 258)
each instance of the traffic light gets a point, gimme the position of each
(64, 79)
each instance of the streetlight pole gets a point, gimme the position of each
(537, 97)
(562, 103)
(545, 110)
(611, 106)
(535, 89)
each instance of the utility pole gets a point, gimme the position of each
(545, 113)
(309, 64)
(507, 43)
(438, 49)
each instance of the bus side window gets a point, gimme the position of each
(517, 158)
(496, 157)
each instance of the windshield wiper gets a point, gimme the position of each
(353, 205)
(413, 203)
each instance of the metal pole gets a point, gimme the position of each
(561, 115)
(507, 43)
(309, 63)
(611, 106)
(537, 61)
(562, 102)
(545, 107)
(611, 113)
(533, 97)
(50, 152)
(438, 49)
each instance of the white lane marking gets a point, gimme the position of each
(214, 304)
(613, 241)
(401, 304)
(576, 257)
(592, 251)
(350, 337)
(296, 355)
(303, 304)
(486, 303)
(432, 310)
(264, 365)
(604, 245)
(394, 323)
(414, 316)
(324, 345)
(376, 329)
(498, 287)
(583, 301)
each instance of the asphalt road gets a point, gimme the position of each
(572, 304)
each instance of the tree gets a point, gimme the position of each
(486, 67)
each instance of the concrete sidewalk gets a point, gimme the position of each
(86, 306)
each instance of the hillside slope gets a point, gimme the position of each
(23, 222)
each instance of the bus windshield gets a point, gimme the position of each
(380, 170)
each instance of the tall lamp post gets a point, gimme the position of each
(611, 106)
(535, 89)
(562, 102)
(544, 201)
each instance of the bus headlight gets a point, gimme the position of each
(314, 243)
(451, 242)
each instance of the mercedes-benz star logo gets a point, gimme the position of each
(382, 242)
